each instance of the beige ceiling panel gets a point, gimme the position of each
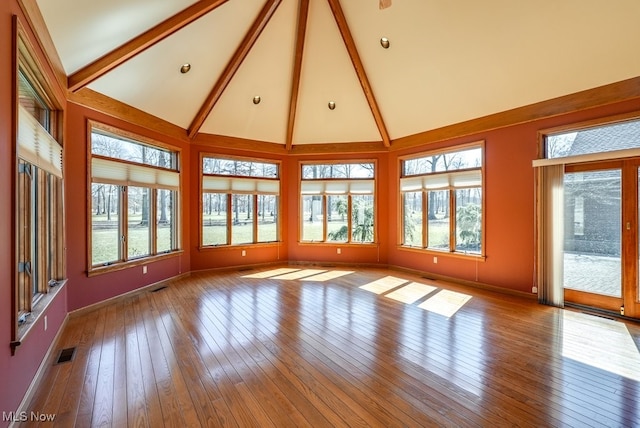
(453, 61)
(266, 72)
(328, 75)
(152, 80)
(83, 31)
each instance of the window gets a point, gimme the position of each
(240, 201)
(337, 202)
(434, 185)
(39, 224)
(134, 199)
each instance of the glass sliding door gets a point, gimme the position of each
(592, 238)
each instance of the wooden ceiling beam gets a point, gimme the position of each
(338, 14)
(230, 70)
(303, 14)
(111, 60)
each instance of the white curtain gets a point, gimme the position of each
(550, 266)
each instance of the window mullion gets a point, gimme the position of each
(452, 220)
(425, 219)
(229, 217)
(325, 220)
(349, 217)
(123, 216)
(153, 220)
(255, 218)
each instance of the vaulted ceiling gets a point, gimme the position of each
(447, 61)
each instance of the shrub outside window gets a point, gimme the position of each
(134, 198)
(337, 202)
(435, 185)
(240, 201)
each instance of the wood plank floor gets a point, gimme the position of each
(329, 347)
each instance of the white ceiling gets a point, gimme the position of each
(449, 61)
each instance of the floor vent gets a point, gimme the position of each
(158, 289)
(245, 269)
(66, 355)
(429, 278)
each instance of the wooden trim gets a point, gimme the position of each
(442, 151)
(596, 97)
(303, 14)
(136, 139)
(127, 264)
(593, 123)
(116, 109)
(630, 237)
(35, 20)
(239, 144)
(366, 148)
(133, 47)
(232, 67)
(42, 369)
(239, 158)
(465, 282)
(121, 297)
(343, 26)
(15, 295)
(591, 299)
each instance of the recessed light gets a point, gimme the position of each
(332, 105)
(257, 99)
(185, 68)
(384, 42)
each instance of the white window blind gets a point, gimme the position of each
(36, 145)
(457, 179)
(126, 174)
(337, 187)
(254, 186)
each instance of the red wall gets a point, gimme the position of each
(83, 290)
(17, 371)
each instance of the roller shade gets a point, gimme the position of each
(337, 187)
(36, 145)
(457, 179)
(126, 174)
(253, 186)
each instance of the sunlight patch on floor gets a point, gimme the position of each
(601, 343)
(382, 285)
(411, 292)
(299, 274)
(270, 273)
(445, 302)
(326, 276)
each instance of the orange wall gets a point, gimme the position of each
(214, 258)
(509, 214)
(509, 204)
(327, 253)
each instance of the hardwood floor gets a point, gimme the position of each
(298, 347)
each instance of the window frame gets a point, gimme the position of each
(124, 261)
(37, 199)
(452, 190)
(325, 201)
(229, 195)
